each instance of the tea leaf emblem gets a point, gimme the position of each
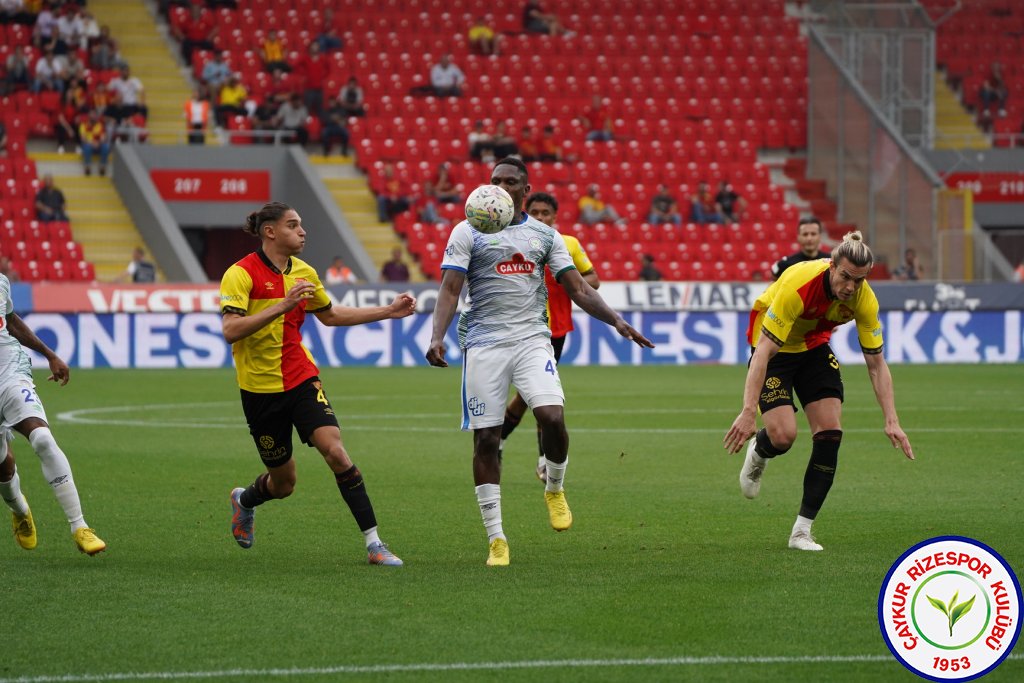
(953, 612)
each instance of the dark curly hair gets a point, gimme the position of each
(270, 213)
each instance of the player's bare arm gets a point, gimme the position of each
(237, 327)
(444, 311)
(591, 278)
(745, 424)
(590, 301)
(881, 382)
(402, 306)
(59, 371)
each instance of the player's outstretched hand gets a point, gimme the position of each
(743, 427)
(899, 440)
(435, 354)
(404, 305)
(629, 332)
(59, 371)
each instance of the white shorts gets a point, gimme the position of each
(488, 371)
(18, 401)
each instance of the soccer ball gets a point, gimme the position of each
(489, 209)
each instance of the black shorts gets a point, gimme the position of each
(813, 374)
(557, 344)
(272, 416)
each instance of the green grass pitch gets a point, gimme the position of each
(668, 573)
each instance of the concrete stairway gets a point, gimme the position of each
(353, 197)
(954, 127)
(148, 54)
(100, 222)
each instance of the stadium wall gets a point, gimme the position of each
(178, 326)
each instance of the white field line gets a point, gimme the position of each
(455, 666)
(98, 416)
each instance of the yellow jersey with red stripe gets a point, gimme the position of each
(272, 359)
(559, 303)
(799, 311)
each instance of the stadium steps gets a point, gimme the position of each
(356, 201)
(148, 54)
(954, 126)
(100, 223)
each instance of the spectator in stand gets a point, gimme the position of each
(992, 95)
(664, 208)
(74, 67)
(7, 268)
(132, 95)
(90, 30)
(504, 144)
(197, 117)
(11, 11)
(395, 270)
(70, 28)
(335, 127)
(703, 208)
(729, 204)
(550, 148)
(535, 20)
(196, 32)
(808, 236)
(647, 270)
(264, 121)
(95, 139)
(446, 79)
(281, 87)
(292, 116)
(339, 274)
(50, 72)
(392, 195)
(483, 39)
(910, 269)
(529, 150)
(231, 101)
(597, 121)
(74, 104)
(45, 34)
(139, 270)
(313, 69)
(103, 52)
(594, 210)
(351, 98)
(329, 38)
(216, 73)
(16, 76)
(100, 99)
(272, 52)
(50, 204)
(440, 189)
(1018, 272)
(481, 144)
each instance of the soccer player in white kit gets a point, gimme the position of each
(21, 410)
(505, 339)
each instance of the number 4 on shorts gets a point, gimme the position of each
(550, 367)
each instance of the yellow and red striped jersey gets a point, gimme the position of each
(272, 359)
(800, 311)
(559, 303)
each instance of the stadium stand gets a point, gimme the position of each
(695, 90)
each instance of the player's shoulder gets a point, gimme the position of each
(571, 243)
(301, 269)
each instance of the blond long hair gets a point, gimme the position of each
(854, 250)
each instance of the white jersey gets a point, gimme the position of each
(13, 359)
(507, 298)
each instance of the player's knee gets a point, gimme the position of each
(781, 436)
(550, 417)
(486, 443)
(42, 442)
(7, 468)
(282, 487)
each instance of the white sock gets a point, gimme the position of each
(489, 498)
(542, 461)
(501, 446)
(10, 491)
(371, 536)
(556, 473)
(803, 524)
(57, 471)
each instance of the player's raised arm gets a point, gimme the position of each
(444, 311)
(59, 371)
(587, 298)
(402, 306)
(881, 382)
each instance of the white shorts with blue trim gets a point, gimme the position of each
(488, 371)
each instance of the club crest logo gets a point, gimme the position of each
(517, 266)
(949, 609)
(267, 442)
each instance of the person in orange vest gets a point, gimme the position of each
(339, 274)
(197, 116)
(95, 140)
